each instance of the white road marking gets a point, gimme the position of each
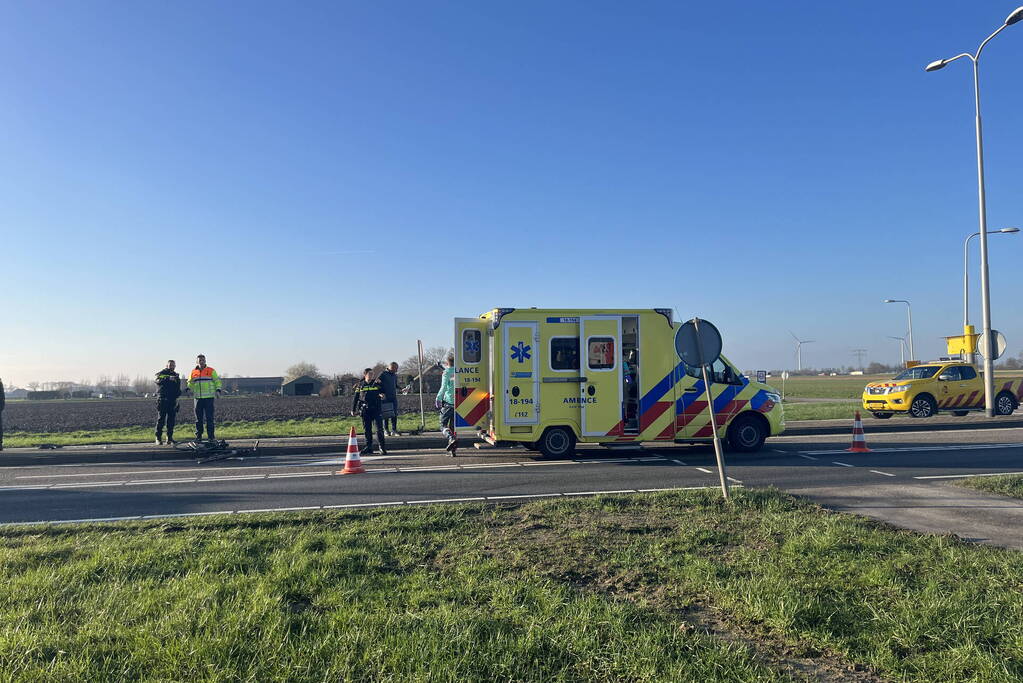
(678, 461)
(808, 457)
(843, 464)
(887, 474)
(737, 481)
(961, 476)
(910, 449)
(446, 500)
(174, 515)
(703, 469)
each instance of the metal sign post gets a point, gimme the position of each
(422, 406)
(698, 343)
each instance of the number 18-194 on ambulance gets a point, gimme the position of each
(551, 378)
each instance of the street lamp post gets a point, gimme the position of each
(985, 291)
(909, 309)
(902, 348)
(967, 329)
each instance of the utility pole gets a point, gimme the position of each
(859, 353)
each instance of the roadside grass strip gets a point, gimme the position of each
(1004, 484)
(672, 586)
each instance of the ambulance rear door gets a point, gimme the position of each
(520, 346)
(600, 396)
(472, 372)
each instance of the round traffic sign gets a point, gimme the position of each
(785, 374)
(996, 347)
(698, 343)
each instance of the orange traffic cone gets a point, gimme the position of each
(353, 461)
(859, 443)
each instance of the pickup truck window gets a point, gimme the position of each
(919, 372)
(968, 372)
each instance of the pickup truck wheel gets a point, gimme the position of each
(1005, 404)
(882, 416)
(960, 413)
(746, 434)
(556, 442)
(923, 406)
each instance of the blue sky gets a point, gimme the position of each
(272, 182)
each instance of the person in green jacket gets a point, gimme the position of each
(446, 404)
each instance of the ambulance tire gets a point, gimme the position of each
(747, 433)
(1005, 404)
(556, 442)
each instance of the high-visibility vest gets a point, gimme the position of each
(204, 383)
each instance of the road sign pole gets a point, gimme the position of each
(422, 406)
(710, 411)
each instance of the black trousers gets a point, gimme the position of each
(392, 422)
(168, 411)
(1, 430)
(204, 411)
(368, 420)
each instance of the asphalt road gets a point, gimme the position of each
(899, 468)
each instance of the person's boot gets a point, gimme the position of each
(159, 440)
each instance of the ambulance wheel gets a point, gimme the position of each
(556, 442)
(960, 413)
(923, 406)
(882, 416)
(1005, 404)
(747, 433)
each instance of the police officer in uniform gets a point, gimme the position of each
(169, 388)
(367, 397)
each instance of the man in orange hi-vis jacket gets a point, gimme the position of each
(204, 383)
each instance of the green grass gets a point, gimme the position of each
(821, 411)
(1006, 485)
(843, 387)
(611, 588)
(313, 426)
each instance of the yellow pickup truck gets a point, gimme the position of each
(923, 390)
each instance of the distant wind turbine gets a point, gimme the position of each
(799, 349)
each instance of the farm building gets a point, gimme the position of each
(302, 386)
(252, 385)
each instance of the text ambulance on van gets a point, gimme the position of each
(549, 378)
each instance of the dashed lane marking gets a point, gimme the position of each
(807, 457)
(887, 474)
(704, 469)
(843, 464)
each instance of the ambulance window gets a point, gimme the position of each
(967, 372)
(564, 353)
(724, 374)
(471, 346)
(600, 353)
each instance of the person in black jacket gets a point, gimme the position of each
(3, 403)
(169, 389)
(389, 385)
(368, 396)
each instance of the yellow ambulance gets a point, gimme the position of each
(550, 378)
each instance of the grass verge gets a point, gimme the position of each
(609, 588)
(264, 429)
(821, 411)
(1006, 485)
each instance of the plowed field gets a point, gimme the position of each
(70, 416)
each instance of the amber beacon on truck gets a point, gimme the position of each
(551, 378)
